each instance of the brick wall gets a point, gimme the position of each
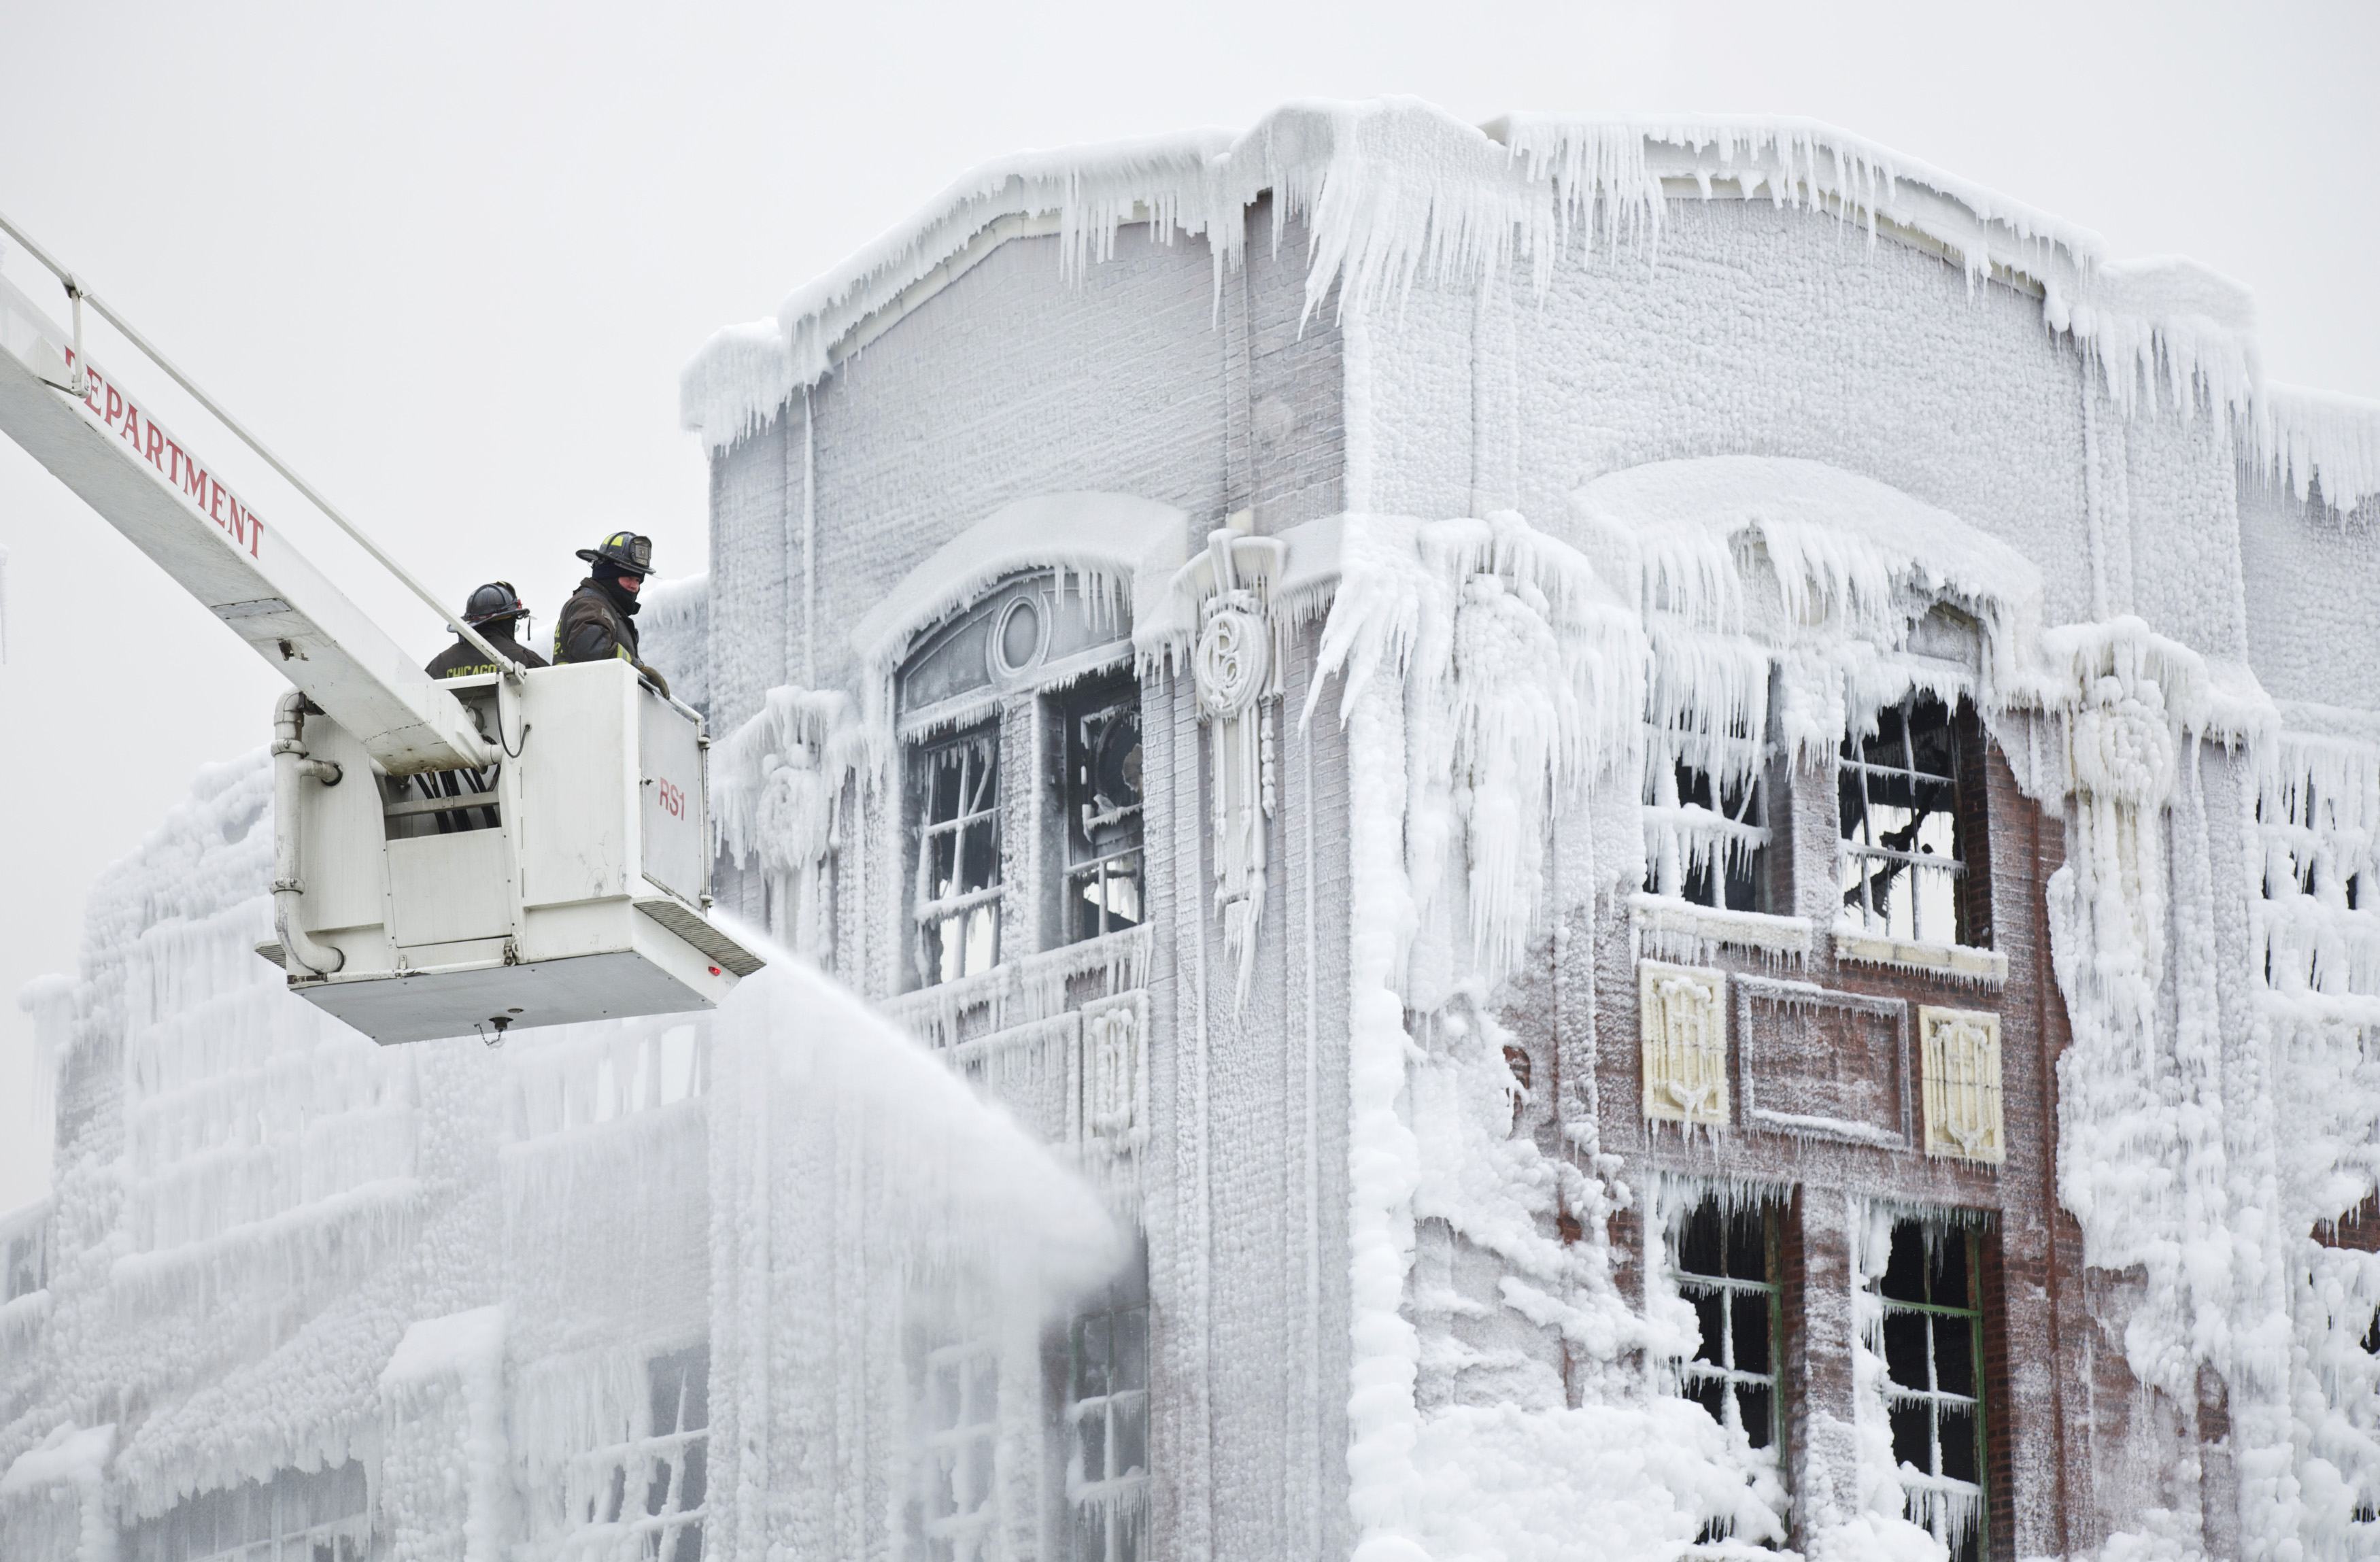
(2034, 1314)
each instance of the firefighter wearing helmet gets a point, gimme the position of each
(599, 621)
(496, 611)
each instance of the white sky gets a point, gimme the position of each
(448, 258)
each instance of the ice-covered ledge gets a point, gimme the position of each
(1669, 928)
(1021, 991)
(1985, 968)
(1126, 548)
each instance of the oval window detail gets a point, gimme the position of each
(1017, 644)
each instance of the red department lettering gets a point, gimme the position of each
(178, 467)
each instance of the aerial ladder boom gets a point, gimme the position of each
(161, 494)
(456, 876)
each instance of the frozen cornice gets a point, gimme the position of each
(1394, 191)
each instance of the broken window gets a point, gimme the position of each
(1933, 1345)
(1723, 1259)
(2321, 858)
(1107, 1419)
(1101, 794)
(1033, 680)
(643, 1495)
(1706, 819)
(954, 787)
(1911, 800)
(954, 1501)
(297, 1515)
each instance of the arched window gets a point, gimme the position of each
(1020, 722)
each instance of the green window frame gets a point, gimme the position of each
(1931, 1336)
(1724, 1259)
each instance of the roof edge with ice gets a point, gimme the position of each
(1396, 190)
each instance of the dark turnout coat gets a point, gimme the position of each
(464, 660)
(597, 623)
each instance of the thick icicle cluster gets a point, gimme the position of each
(1394, 192)
(1492, 675)
(1487, 680)
(1517, 678)
(277, 1247)
(777, 792)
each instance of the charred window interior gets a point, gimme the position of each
(1723, 1258)
(2321, 861)
(298, 1516)
(1911, 800)
(1706, 816)
(1100, 793)
(1932, 1339)
(955, 802)
(1107, 1416)
(1021, 813)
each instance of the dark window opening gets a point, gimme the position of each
(1724, 1261)
(1933, 1345)
(1107, 1416)
(1101, 795)
(955, 802)
(1706, 816)
(1910, 798)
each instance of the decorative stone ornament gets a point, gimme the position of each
(1961, 1052)
(1114, 1099)
(1235, 667)
(1682, 1021)
(1234, 654)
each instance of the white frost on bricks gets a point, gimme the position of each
(1487, 680)
(2172, 1158)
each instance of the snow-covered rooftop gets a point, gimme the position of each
(1396, 190)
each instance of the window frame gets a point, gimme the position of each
(1077, 855)
(1733, 1380)
(969, 1440)
(1122, 1303)
(2319, 873)
(1081, 651)
(929, 911)
(1931, 1399)
(1966, 865)
(285, 1500)
(1742, 837)
(600, 1500)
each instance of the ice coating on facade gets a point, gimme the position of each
(1396, 192)
(442, 1300)
(1659, 832)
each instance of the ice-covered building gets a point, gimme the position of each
(1682, 815)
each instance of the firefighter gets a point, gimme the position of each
(599, 620)
(496, 611)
